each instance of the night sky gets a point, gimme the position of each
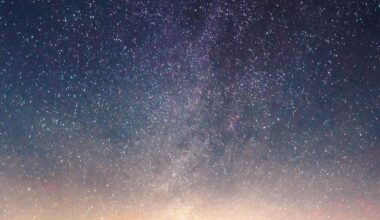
(189, 110)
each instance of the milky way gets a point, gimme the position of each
(179, 110)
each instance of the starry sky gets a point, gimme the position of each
(179, 110)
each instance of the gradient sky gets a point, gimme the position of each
(191, 109)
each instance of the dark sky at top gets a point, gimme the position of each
(250, 91)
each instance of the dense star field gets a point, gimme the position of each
(189, 110)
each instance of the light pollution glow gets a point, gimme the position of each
(40, 202)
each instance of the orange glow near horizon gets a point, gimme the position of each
(30, 206)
